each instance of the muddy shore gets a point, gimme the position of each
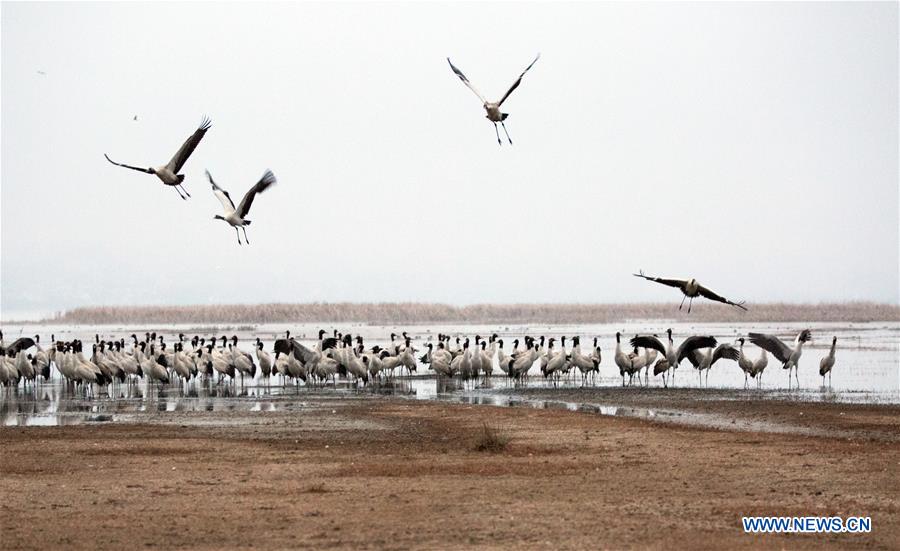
(393, 473)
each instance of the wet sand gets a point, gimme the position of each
(395, 473)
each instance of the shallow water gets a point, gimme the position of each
(867, 370)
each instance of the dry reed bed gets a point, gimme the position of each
(430, 313)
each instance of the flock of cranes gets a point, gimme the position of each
(344, 356)
(169, 173)
(236, 216)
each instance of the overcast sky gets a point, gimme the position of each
(753, 146)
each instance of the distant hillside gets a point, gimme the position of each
(421, 313)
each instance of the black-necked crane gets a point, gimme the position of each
(826, 363)
(789, 357)
(493, 108)
(703, 361)
(691, 289)
(627, 362)
(265, 360)
(588, 365)
(168, 173)
(753, 368)
(745, 363)
(661, 367)
(674, 355)
(759, 365)
(236, 216)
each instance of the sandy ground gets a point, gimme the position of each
(398, 474)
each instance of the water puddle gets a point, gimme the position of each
(52, 404)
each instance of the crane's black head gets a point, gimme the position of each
(218, 217)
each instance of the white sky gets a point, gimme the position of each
(753, 146)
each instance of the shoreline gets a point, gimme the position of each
(360, 472)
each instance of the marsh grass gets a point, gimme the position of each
(490, 439)
(317, 488)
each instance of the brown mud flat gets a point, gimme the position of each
(398, 474)
(749, 410)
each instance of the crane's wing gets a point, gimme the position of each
(189, 145)
(222, 195)
(147, 170)
(771, 344)
(694, 343)
(725, 351)
(647, 341)
(670, 282)
(463, 78)
(517, 82)
(23, 343)
(262, 185)
(704, 292)
(695, 357)
(330, 342)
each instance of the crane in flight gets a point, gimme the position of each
(691, 289)
(493, 107)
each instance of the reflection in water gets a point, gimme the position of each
(55, 403)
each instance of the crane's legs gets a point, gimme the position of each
(690, 304)
(682, 302)
(245, 235)
(238, 235)
(184, 190)
(179, 192)
(498, 133)
(503, 124)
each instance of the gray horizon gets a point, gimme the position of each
(754, 146)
